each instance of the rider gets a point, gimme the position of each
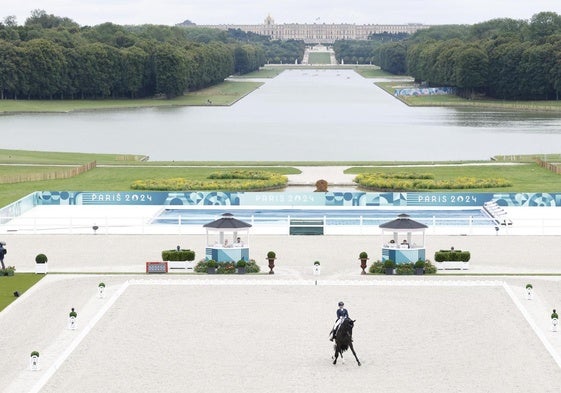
(342, 313)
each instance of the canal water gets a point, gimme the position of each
(301, 115)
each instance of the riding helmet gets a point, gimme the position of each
(341, 304)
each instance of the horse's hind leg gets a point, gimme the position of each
(354, 353)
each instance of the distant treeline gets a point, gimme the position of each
(364, 52)
(51, 57)
(502, 58)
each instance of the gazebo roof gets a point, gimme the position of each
(403, 223)
(227, 221)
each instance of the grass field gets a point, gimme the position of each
(20, 282)
(265, 72)
(115, 174)
(528, 177)
(223, 94)
(455, 101)
(319, 58)
(374, 72)
(111, 174)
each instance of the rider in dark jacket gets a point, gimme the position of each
(342, 313)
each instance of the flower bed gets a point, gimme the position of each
(227, 267)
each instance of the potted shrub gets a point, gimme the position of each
(419, 267)
(452, 259)
(271, 256)
(389, 266)
(317, 268)
(211, 266)
(34, 361)
(226, 267)
(429, 267)
(377, 267)
(179, 258)
(363, 256)
(529, 290)
(8, 271)
(241, 266)
(405, 269)
(100, 289)
(72, 315)
(41, 264)
(554, 320)
(252, 267)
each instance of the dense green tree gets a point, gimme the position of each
(40, 19)
(98, 70)
(45, 61)
(8, 68)
(8, 29)
(170, 70)
(535, 71)
(132, 64)
(353, 51)
(502, 68)
(393, 58)
(471, 70)
(446, 62)
(544, 24)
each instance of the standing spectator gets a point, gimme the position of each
(3, 252)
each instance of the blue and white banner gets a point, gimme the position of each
(217, 198)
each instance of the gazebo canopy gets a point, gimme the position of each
(403, 224)
(227, 223)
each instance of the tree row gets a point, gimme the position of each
(52, 57)
(502, 58)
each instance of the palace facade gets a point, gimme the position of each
(320, 33)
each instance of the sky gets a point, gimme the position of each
(171, 12)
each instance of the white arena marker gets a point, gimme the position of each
(51, 370)
(533, 325)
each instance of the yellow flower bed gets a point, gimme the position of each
(237, 180)
(403, 181)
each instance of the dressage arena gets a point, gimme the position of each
(270, 334)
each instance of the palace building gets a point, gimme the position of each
(320, 33)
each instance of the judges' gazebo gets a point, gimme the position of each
(410, 248)
(227, 239)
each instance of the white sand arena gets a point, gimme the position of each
(269, 334)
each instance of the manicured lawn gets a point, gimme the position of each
(20, 282)
(455, 101)
(110, 178)
(223, 94)
(58, 158)
(374, 72)
(319, 58)
(528, 177)
(265, 72)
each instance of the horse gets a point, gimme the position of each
(344, 340)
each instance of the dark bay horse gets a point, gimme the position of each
(344, 339)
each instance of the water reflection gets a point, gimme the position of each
(301, 115)
(507, 120)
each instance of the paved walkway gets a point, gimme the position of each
(334, 175)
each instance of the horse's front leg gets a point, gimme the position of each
(354, 353)
(336, 355)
